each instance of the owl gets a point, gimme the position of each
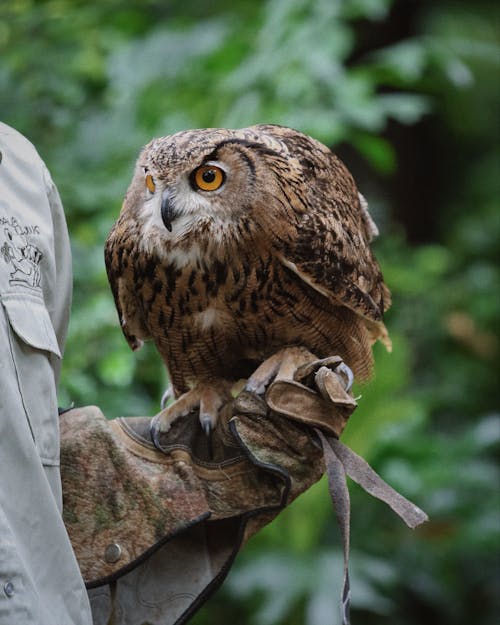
(234, 244)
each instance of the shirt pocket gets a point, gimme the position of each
(33, 344)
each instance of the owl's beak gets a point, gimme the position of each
(167, 210)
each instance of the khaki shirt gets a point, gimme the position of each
(40, 582)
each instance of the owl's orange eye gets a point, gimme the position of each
(208, 177)
(150, 183)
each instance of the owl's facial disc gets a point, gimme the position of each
(189, 195)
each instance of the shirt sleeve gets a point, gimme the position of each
(64, 277)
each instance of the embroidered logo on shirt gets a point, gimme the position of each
(19, 251)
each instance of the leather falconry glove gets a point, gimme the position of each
(156, 527)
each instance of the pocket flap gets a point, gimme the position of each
(30, 320)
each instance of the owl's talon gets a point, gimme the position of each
(345, 372)
(208, 397)
(155, 431)
(256, 387)
(206, 424)
(168, 394)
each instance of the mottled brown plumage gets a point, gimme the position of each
(277, 255)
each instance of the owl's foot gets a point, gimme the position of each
(209, 397)
(264, 374)
(281, 365)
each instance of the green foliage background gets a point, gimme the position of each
(407, 93)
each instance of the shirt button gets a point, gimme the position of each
(9, 589)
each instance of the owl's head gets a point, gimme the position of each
(216, 185)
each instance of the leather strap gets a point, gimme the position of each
(339, 461)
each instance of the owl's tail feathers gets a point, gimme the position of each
(354, 343)
(378, 332)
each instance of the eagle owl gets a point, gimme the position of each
(233, 244)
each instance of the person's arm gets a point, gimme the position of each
(41, 583)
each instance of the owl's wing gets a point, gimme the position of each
(117, 252)
(328, 247)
